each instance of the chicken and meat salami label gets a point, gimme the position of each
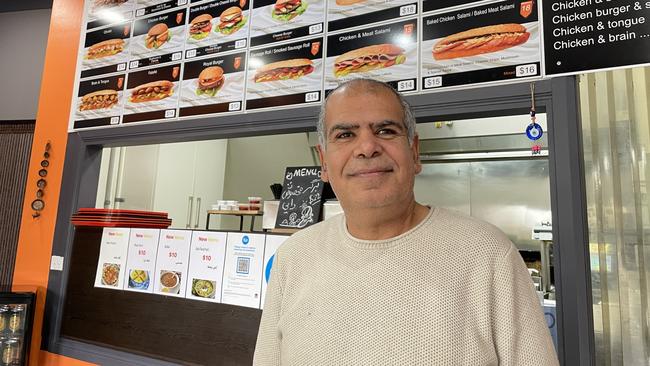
(152, 94)
(105, 50)
(217, 26)
(101, 13)
(282, 20)
(99, 101)
(342, 14)
(158, 39)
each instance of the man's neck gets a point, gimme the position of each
(382, 223)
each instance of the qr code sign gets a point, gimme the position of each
(243, 265)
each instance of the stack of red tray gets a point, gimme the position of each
(100, 217)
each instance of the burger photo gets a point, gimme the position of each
(105, 48)
(368, 58)
(210, 80)
(200, 26)
(157, 36)
(231, 20)
(100, 99)
(155, 90)
(480, 40)
(285, 10)
(284, 70)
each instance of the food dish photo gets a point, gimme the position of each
(480, 40)
(210, 80)
(101, 99)
(284, 70)
(157, 36)
(285, 10)
(155, 90)
(200, 26)
(231, 20)
(368, 58)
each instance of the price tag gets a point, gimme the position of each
(526, 70)
(190, 53)
(433, 82)
(170, 113)
(316, 28)
(177, 56)
(134, 64)
(408, 10)
(207, 258)
(405, 85)
(121, 67)
(115, 120)
(139, 12)
(312, 97)
(234, 106)
(181, 2)
(142, 252)
(173, 254)
(241, 43)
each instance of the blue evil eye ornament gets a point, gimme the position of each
(534, 131)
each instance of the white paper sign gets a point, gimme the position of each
(141, 263)
(172, 262)
(112, 258)
(205, 273)
(242, 277)
(273, 242)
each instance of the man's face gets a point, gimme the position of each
(368, 159)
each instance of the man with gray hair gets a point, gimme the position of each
(391, 281)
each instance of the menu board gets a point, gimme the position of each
(158, 39)
(301, 199)
(213, 85)
(172, 262)
(146, 7)
(112, 258)
(217, 26)
(205, 273)
(288, 74)
(487, 43)
(152, 94)
(242, 277)
(141, 262)
(343, 14)
(282, 20)
(105, 50)
(590, 35)
(99, 101)
(105, 12)
(271, 246)
(386, 52)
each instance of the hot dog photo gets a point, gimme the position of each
(283, 20)
(217, 27)
(158, 39)
(152, 94)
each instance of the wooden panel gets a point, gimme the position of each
(173, 329)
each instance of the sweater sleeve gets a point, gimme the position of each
(269, 338)
(520, 333)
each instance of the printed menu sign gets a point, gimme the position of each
(272, 244)
(105, 50)
(301, 199)
(112, 258)
(141, 263)
(172, 262)
(495, 42)
(343, 14)
(99, 101)
(217, 26)
(388, 53)
(213, 85)
(242, 277)
(152, 94)
(585, 35)
(286, 74)
(205, 274)
(158, 39)
(105, 12)
(432, 5)
(146, 7)
(280, 20)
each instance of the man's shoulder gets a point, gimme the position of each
(306, 240)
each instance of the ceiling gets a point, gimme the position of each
(13, 5)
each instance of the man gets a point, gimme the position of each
(393, 282)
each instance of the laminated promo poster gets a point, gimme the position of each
(242, 277)
(288, 74)
(271, 246)
(101, 13)
(146, 7)
(342, 14)
(152, 94)
(141, 262)
(158, 39)
(112, 258)
(205, 274)
(386, 52)
(480, 44)
(217, 26)
(105, 50)
(282, 20)
(213, 85)
(172, 262)
(99, 101)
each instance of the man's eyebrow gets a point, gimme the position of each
(388, 123)
(343, 126)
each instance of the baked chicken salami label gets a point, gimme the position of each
(281, 20)
(99, 101)
(217, 26)
(388, 53)
(152, 94)
(342, 14)
(105, 50)
(480, 44)
(158, 39)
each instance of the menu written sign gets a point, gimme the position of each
(581, 35)
(301, 199)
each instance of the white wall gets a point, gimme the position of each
(23, 39)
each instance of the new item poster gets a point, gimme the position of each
(205, 274)
(242, 277)
(99, 101)
(147, 7)
(282, 20)
(495, 42)
(342, 14)
(112, 258)
(288, 74)
(271, 246)
(152, 94)
(158, 39)
(217, 26)
(141, 262)
(385, 52)
(105, 50)
(213, 85)
(172, 262)
(101, 13)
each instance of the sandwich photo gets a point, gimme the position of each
(285, 10)
(157, 36)
(100, 99)
(107, 3)
(231, 20)
(210, 81)
(200, 26)
(348, 2)
(368, 58)
(155, 90)
(480, 40)
(105, 48)
(284, 70)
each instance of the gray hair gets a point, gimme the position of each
(369, 86)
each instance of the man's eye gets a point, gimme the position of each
(386, 131)
(343, 135)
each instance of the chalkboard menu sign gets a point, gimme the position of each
(301, 199)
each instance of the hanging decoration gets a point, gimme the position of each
(534, 131)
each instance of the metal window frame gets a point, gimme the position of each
(557, 97)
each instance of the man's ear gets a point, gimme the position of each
(416, 153)
(321, 156)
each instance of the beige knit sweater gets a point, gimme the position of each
(451, 291)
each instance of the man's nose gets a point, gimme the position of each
(367, 145)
